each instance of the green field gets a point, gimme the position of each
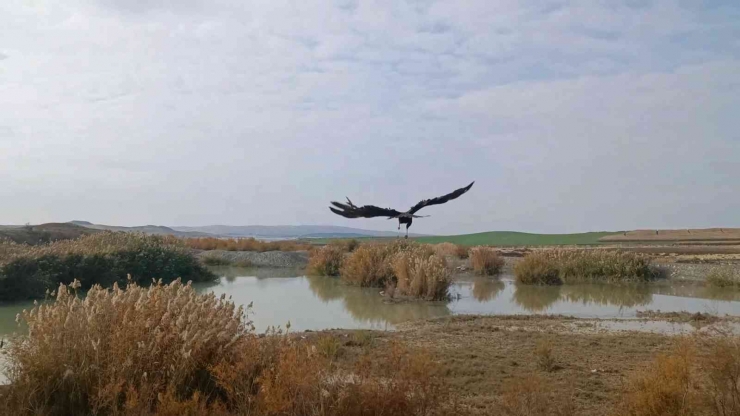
(503, 238)
(513, 238)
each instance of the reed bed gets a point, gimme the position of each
(166, 350)
(486, 261)
(559, 266)
(445, 249)
(27, 272)
(403, 268)
(421, 275)
(244, 244)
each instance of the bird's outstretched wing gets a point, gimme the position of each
(350, 210)
(441, 199)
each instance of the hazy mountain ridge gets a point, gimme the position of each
(287, 231)
(257, 231)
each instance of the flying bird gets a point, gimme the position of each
(350, 210)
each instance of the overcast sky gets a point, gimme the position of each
(569, 115)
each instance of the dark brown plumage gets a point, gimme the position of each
(350, 210)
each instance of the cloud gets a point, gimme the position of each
(571, 115)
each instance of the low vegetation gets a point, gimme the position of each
(567, 266)
(723, 276)
(327, 260)
(700, 376)
(28, 272)
(244, 244)
(166, 350)
(486, 261)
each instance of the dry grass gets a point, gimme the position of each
(445, 249)
(700, 376)
(462, 252)
(558, 266)
(531, 396)
(545, 356)
(723, 276)
(244, 244)
(420, 274)
(664, 388)
(486, 261)
(165, 350)
(327, 260)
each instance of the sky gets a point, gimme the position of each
(570, 115)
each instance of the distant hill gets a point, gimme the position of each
(43, 233)
(147, 229)
(704, 235)
(288, 231)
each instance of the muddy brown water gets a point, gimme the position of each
(280, 296)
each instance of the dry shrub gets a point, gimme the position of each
(166, 350)
(371, 264)
(329, 346)
(445, 249)
(720, 363)
(486, 261)
(326, 261)
(420, 274)
(723, 276)
(122, 348)
(244, 244)
(461, 251)
(530, 396)
(559, 265)
(666, 387)
(545, 356)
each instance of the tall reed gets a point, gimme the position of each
(326, 260)
(486, 261)
(558, 266)
(419, 274)
(244, 244)
(166, 350)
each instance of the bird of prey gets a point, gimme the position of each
(350, 210)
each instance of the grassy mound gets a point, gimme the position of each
(567, 266)
(27, 272)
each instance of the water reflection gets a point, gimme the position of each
(606, 294)
(535, 298)
(366, 305)
(283, 295)
(485, 289)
